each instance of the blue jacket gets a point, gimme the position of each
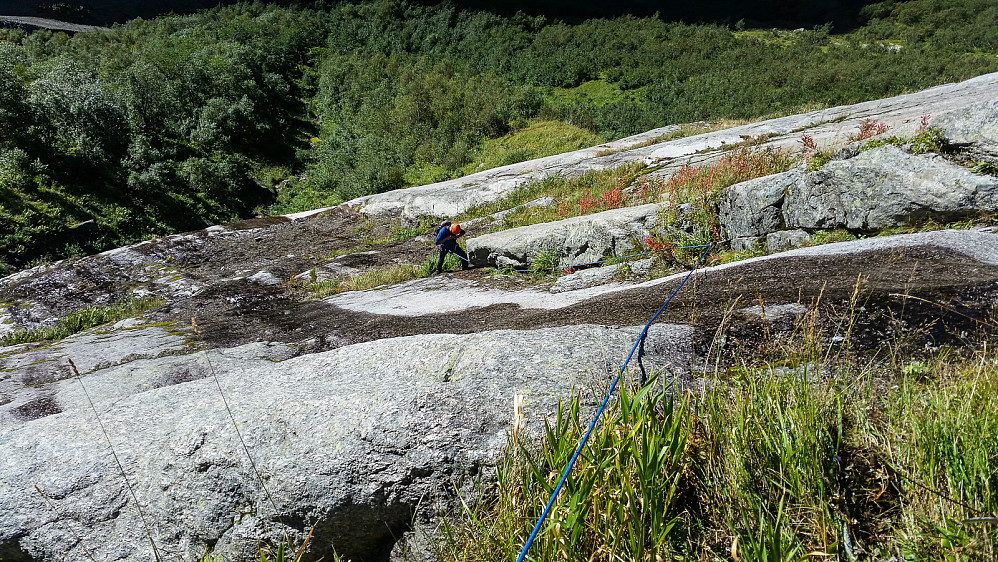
(446, 238)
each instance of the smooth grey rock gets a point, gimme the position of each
(641, 268)
(784, 239)
(977, 245)
(576, 240)
(886, 187)
(585, 278)
(752, 209)
(265, 278)
(358, 442)
(37, 392)
(32, 367)
(974, 124)
(440, 295)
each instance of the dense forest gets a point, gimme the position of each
(173, 123)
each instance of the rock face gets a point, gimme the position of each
(976, 124)
(368, 413)
(866, 191)
(453, 197)
(547, 201)
(575, 241)
(585, 278)
(886, 187)
(751, 209)
(783, 239)
(353, 441)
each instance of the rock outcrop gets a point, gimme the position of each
(753, 208)
(574, 241)
(975, 124)
(351, 443)
(880, 188)
(886, 187)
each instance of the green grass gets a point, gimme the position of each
(621, 499)
(83, 320)
(985, 168)
(398, 232)
(944, 432)
(536, 140)
(798, 452)
(545, 264)
(831, 236)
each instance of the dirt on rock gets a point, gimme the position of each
(919, 284)
(233, 304)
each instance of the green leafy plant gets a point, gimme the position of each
(985, 168)
(621, 498)
(545, 263)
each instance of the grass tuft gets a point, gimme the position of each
(83, 320)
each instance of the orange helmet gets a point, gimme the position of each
(455, 229)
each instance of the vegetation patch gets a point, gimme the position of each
(525, 141)
(83, 320)
(689, 218)
(796, 450)
(379, 277)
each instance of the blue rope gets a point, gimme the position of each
(458, 255)
(599, 412)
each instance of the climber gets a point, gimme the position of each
(447, 236)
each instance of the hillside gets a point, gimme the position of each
(172, 124)
(305, 379)
(804, 14)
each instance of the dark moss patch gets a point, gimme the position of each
(38, 408)
(258, 222)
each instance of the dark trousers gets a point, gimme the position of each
(444, 248)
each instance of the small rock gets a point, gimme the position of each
(641, 268)
(265, 278)
(585, 278)
(786, 239)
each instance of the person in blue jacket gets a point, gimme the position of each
(447, 237)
